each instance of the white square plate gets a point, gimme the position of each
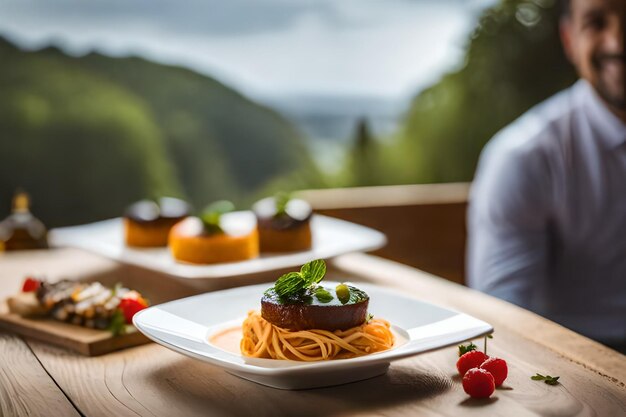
(187, 325)
(331, 237)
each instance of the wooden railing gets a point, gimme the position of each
(425, 224)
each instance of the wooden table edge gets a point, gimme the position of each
(575, 347)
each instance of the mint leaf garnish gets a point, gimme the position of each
(290, 283)
(356, 295)
(313, 272)
(293, 283)
(550, 380)
(323, 295)
(212, 214)
(281, 199)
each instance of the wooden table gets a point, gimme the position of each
(37, 379)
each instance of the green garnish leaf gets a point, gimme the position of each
(293, 283)
(281, 199)
(343, 293)
(464, 349)
(116, 289)
(357, 295)
(313, 272)
(550, 380)
(118, 323)
(323, 295)
(212, 214)
(368, 317)
(289, 284)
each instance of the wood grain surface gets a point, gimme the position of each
(25, 387)
(153, 381)
(500, 314)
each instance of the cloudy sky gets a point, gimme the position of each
(385, 48)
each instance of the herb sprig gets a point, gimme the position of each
(281, 199)
(463, 349)
(117, 325)
(550, 380)
(323, 295)
(212, 214)
(295, 283)
(489, 336)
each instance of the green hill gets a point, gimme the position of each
(513, 61)
(86, 136)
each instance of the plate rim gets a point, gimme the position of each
(199, 272)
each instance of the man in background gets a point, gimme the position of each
(547, 216)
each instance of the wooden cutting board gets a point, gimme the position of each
(89, 342)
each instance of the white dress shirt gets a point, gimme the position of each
(547, 215)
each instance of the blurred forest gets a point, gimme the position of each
(513, 61)
(86, 136)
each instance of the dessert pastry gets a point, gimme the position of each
(304, 320)
(210, 239)
(147, 224)
(284, 224)
(307, 311)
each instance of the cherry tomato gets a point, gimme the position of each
(31, 284)
(131, 306)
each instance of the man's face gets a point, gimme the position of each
(593, 37)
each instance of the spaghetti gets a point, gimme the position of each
(262, 339)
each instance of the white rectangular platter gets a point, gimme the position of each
(331, 237)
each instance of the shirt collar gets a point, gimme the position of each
(612, 131)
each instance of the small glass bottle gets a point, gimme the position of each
(21, 230)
